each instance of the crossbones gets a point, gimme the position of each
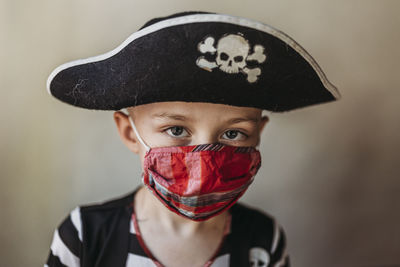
(232, 55)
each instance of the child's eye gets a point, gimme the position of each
(177, 131)
(234, 135)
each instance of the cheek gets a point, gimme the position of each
(255, 139)
(141, 154)
(153, 137)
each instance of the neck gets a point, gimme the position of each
(148, 207)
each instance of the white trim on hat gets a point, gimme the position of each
(204, 18)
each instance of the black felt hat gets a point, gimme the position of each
(197, 57)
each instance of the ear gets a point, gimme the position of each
(263, 122)
(126, 132)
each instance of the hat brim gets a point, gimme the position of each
(158, 64)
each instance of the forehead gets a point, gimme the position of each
(194, 109)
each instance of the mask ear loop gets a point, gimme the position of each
(138, 135)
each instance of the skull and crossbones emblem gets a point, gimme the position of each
(232, 54)
(259, 257)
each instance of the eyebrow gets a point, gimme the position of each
(166, 115)
(244, 119)
(179, 117)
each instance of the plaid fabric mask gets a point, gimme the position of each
(200, 181)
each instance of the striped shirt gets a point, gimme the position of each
(107, 235)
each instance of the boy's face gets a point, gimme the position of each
(166, 124)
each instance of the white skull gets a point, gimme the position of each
(258, 257)
(232, 51)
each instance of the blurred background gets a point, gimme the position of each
(330, 173)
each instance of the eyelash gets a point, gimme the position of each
(184, 130)
(238, 134)
(170, 128)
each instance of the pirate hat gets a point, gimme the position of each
(197, 57)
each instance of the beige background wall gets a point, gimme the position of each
(330, 173)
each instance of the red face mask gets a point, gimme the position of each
(201, 181)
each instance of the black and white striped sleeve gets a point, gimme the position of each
(66, 247)
(279, 255)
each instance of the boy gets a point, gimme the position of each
(194, 85)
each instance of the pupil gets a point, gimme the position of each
(176, 130)
(231, 134)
